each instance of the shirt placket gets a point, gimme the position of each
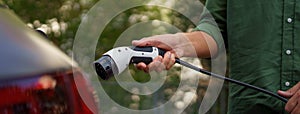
(287, 44)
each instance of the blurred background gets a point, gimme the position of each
(60, 19)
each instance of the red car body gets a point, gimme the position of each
(35, 76)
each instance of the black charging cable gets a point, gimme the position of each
(230, 80)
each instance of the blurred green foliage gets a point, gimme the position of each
(58, 18)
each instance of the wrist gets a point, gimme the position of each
(185, 47)
(200, 45)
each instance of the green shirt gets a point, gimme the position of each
(263, 38)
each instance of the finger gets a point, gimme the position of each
(289, 93)
(158, 59)
(142, 66)
(292, 103)
(156, 64)
(167, 59)
(160, 67)
(294, 89)
(285, 94)
(296, 109)
(171, 61)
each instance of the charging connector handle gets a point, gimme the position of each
(230, 80)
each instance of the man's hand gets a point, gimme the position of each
(293, 105)
(193, 44)
(174, 44)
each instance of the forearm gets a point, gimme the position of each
(205, 46)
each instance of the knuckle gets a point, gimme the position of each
(139, 67)
(287, 109)
(165, 63)
(292, 104)
(173, 61)
(297, 93)
(168, 68)
(146, 70)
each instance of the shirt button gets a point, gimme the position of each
(288, 52)
(287, 83)
(289, 20)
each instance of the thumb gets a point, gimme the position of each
(285, 94)
(145, 42)
(138, 43)
(142, 43)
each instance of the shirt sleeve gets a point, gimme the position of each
(213, 21)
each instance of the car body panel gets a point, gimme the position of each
(24, 52)
(36, 77)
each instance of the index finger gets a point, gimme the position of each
(294, 89)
